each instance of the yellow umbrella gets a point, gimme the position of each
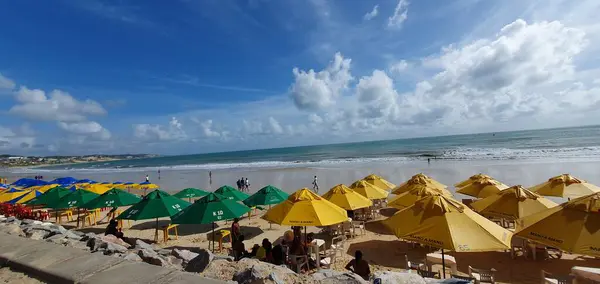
(43, 188)
(418, 179)
(368, 190)
(513, 203)
(566, 186)
(97, 188)
(482, 188)
(471, 180)
(28, 196)
(347, 198)
(126, 186)
(573, 226)
(146, 186)
(305, 208)
(10, 195)
(407, 199)
(379, 182)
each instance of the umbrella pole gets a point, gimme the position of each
(156, 232)
(78, 218)
(443, 265)
(270, 224)
(213, 237)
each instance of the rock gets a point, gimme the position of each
(77, 244)
(94, 243)
(256, 271)
(88, 236)
(79, 233)
(151, 257)
(11, 219)
(37, 234)
(57, 228)
(175, 262)
(12, 229)
(111, 248)
(184, 255)
(27, 221)
(132, 257)
(71, 235)
(330, 276)
(391, 277)
(164, 252)
(114, 240)
(221, 270)
(199, 263)
(139, 244)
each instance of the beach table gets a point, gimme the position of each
(315, 248)
(582, 274)
(436, 258)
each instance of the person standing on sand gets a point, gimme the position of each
(359, 266)
(147, 178)
(158, 173)
(315, 185)
(210, 178)
(235, 230)
(247, 185)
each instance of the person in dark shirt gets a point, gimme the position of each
(239, 249)
(112, 229)
(359, 266)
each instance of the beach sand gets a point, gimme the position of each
(7, 275)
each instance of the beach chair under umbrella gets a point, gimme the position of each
(231, 193)
(75, 199)
(210, 209)
(154, 205)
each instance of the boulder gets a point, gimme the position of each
(57, 228)
(12, 229)
(184, 255)
(221, 270)
(111, 248)
(199, 263)
(94, 243)
(88, 236)
(13, 219)
(139, 244)
(35, 234)
(392, 277)
(175, 262)
(113, 239)
(77, 244)
(330, 276)
(151, 257)
(28, 221)
(163, 252)
(79, 233)
(255, 271)
(57, 239)
(132, 257)
(71, 235)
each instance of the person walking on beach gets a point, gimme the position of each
(315, 185)
(158, 173)
(147, 178)
(247, 185)
(210, 178)
(239, 184)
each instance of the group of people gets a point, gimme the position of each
(243, 184)
(264, 252)
(39, 177)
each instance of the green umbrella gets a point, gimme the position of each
(49, 197)
(156, 204)
(190, 193)
(113, 198)
(74, 199)
(268, 195)
(209, 209)
(231, 193)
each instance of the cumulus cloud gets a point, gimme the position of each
(275, 126)
(154, 132)
(12, 140)
(370, 15)
(317, 90)
(400, 15)
(207, 129)
(6, 83)
(56, 106)
(90, 128)
(399, 67)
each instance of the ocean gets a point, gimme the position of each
(559, 143)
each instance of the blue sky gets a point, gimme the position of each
(96, 76)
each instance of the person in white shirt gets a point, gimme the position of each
(147, 178)
(315, 185)
(247, 184)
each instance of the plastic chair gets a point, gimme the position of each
(222, 235)
(548, 278)
(428, 274)
(461, 277)
(482, 275)
(166, 229)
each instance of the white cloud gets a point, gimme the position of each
(275, 126)
(400, 15)
(207, 129)
(57, 106)
(370, 15)
(88, 128)
(377, 95)
(6, 83)
(155, 132)
(399, 66)
(317, 90)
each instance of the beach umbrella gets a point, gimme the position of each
(127, 186)
(44, 188)
(210, 209)
(64, 180)
(379, 182)
(407, 199)
(305, 208)
(268, 195)
(368, 190)
(49, 197)
(118, 182)
(566, 186)
(573, 226)
(27, 182)
(482, 188)
(75, 199)
(231, 193)
(442, 222)
(86, 181)
(156, 204)
(146, 186)
(190, 193)
(418, 179)
(10, 195)
(513, 203)
(471, 179)
(28, 196)
(113, 198)
(347, 198)
(97, 188)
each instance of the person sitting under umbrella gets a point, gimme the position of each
(239, 249)
(359, 266)
(264, 252)
(112, 229)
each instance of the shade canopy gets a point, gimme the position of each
(512, 203)
(28, 182)
(210, 208)
(471, 179)
(445, 223)
(64, 180)
(573, 226)
(482, 188)
(85, 180)
(49, 197)
(268, 195)
(190, 192)
(156, 204)
(231, 193)
(407, 199)
(113, 198)
(28, 196)
(418, 180)
(566, 186)
(305, 208)
(74, 199)
(368, 190)
(146, 186)
(347, 198)
(11, 196)
(378, 181)
(97, 188)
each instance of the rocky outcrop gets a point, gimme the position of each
(392, 277)
(199, 263)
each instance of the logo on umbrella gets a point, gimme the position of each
(176, 207)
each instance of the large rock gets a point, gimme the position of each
(12, 229)
(77, 244)
(258, 272)
(13, 219)
(57, 229)
(221, 270)
(28, 221)
(57, 239)
(199, 263)
(71, 235)
(35, 234)
(175, 262)
(113, 239)
(151, 257)
(184, 255)
(330, 276)
(139, 244)
(111, 248)
(391, 277)
(88, 236)
(132, 257)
